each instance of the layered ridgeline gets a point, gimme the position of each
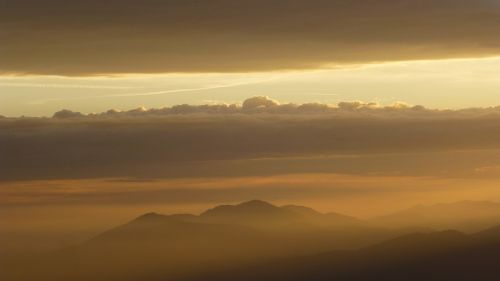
(254, 237)
(174, 246)
(438, 256)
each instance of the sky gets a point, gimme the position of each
(359, 106)
(91, 56)
(451, 83)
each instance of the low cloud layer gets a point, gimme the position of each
(265, 105)
(257, 138)
(149, 36)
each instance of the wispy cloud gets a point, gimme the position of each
(62, 86)
(164, 92)
(205, 88)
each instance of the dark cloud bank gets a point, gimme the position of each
(151, 36)
(194, 140)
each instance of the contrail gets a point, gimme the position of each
(189, 89)
(61, 86)
(206, 88)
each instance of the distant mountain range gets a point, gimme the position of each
(256, 240)
(466, 216)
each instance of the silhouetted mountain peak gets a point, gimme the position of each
(253, 206)
(150, 217)
(256, 204)
(255, 211)
(261, 213)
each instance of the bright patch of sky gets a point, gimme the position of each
(456, 83)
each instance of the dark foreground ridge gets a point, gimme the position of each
(439, 256)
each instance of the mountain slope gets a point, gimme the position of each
(440, 256)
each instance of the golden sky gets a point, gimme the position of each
(453, 83)
(91, 56)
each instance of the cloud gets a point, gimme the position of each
(63, 114)
(149, 36)
(264, 104)
(259, 102)
(262, 136)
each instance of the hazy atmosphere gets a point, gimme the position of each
(289, 140)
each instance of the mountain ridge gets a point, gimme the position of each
(290, 241)
(439, 256)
